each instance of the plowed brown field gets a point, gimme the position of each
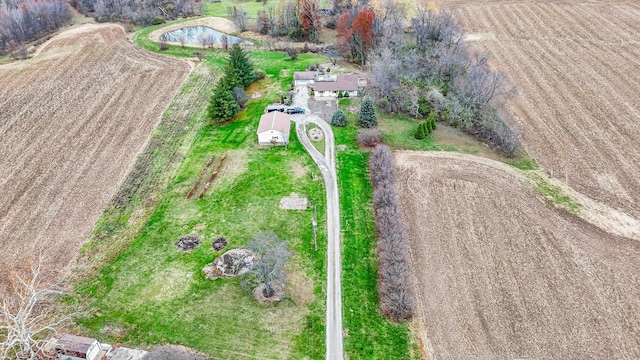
(72, 121)
(577, 68)
(502, 274)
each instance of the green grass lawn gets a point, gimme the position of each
(152, 293)
(251, 7)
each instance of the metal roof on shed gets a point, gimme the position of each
(275, 120)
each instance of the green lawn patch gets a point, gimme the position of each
(553, 193)
(368, 335)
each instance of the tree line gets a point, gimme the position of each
(22, 21)
(394, 288)
(139, 12)
(297, 20)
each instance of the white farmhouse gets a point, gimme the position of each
(331, 86)
(274, 128)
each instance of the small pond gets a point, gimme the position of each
(193, 34)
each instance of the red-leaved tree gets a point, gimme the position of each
(355, 36)
(309, 19)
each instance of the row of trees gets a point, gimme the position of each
(141, 12)
(298, 20)
(22, 21)
(435, 71)
(394, 288)
(426, 127)
(228, 96)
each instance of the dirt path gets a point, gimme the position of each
(501, 273)
(72, 121)
(327, 165)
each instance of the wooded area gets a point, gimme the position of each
(22, 21)
(140, 12)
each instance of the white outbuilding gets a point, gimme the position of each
(303, 77)
(274, 128)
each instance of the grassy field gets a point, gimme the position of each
(151, 293)
(251, 7)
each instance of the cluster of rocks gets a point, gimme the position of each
(188, 243)
(233, 263)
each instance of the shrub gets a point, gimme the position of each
(367, 117)
(339, 119)
(396, 299)
(259, 74)
(292, 53)
(157, 20)
(369, 137)
(422, 131)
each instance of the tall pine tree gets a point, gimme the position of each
(239, 60)
(367, 117)
(223, 105)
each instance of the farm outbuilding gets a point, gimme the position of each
(303, 77)
(274, 128)
(71, 347)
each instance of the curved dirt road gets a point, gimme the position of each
(327, 165)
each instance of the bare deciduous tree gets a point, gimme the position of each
(224, 41)
(239, 16)
(271, 267)
(29, 314)
(332, 53)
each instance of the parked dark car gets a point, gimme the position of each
(294, 110)
(271, 108)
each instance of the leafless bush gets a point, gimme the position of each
(162, 45)
(394, 289)
(369, 137)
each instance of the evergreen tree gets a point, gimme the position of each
(239, 60)
(223, 105)
(367, 117)
(421, 132)
(427, 126)
(339, 119)
(432, 120)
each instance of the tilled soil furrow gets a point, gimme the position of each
(87, 113)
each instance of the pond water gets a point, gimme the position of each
(193, 34)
